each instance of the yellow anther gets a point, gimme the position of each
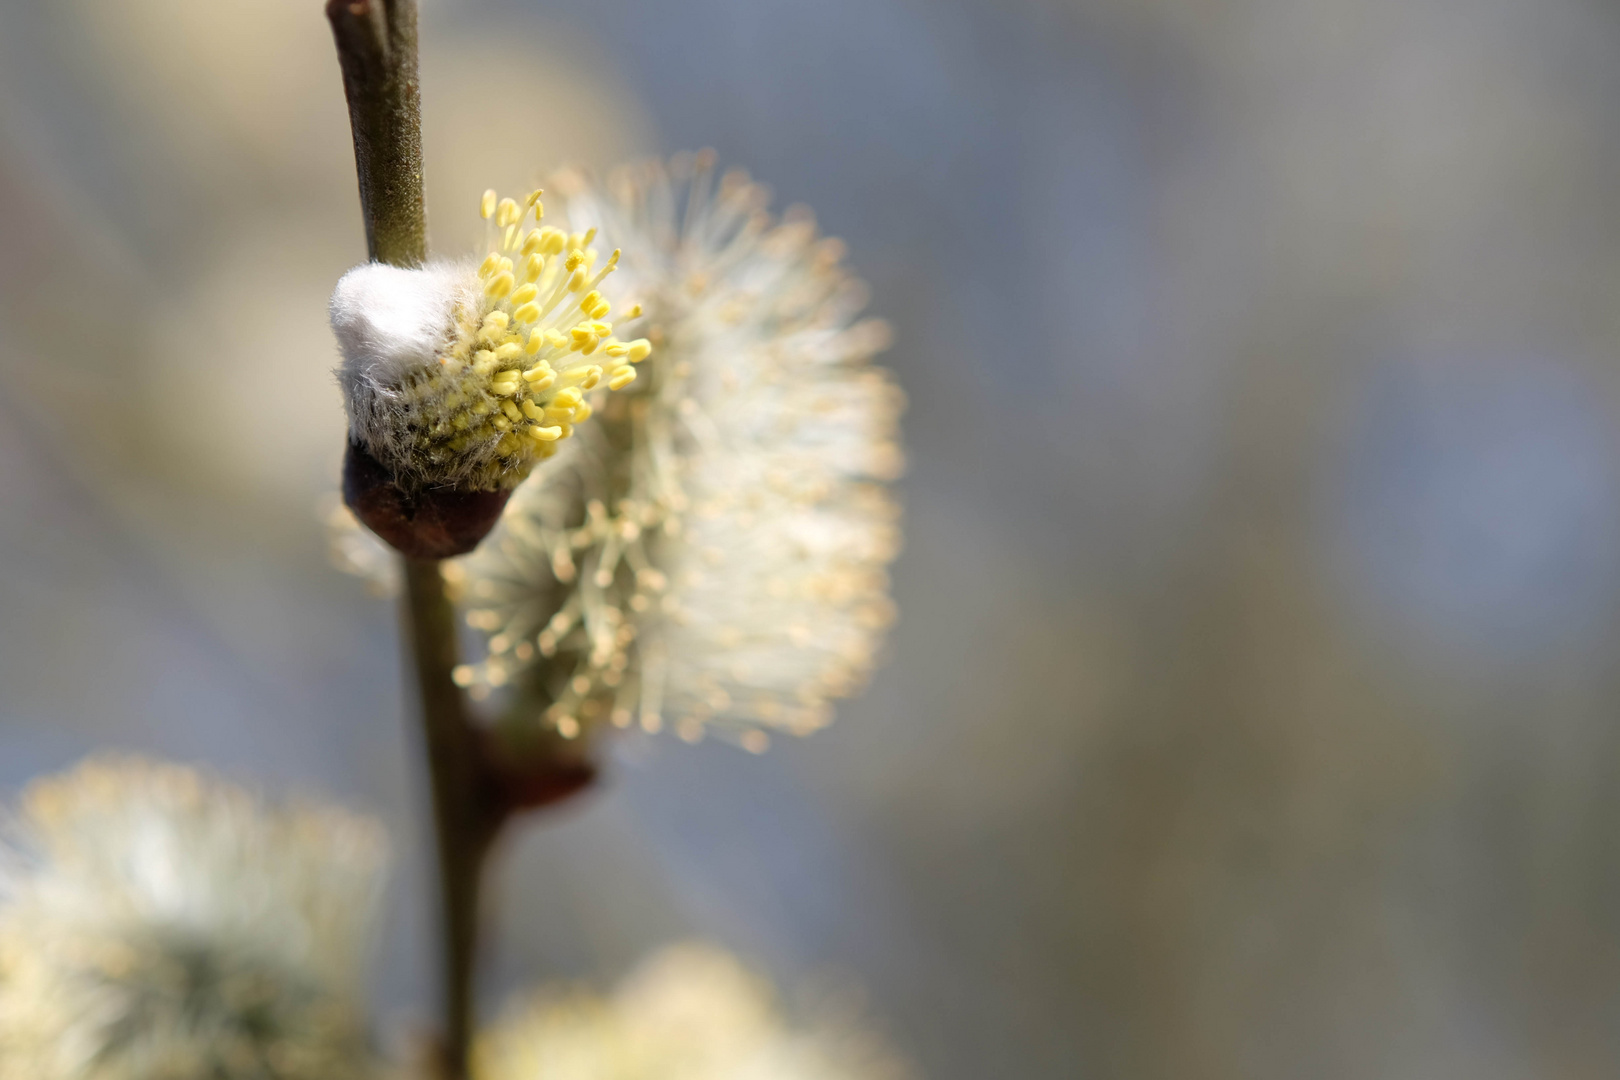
(564, 413)
(621, 378)
(586, 377)
(489, 264)
(533, 411)
(581, 334)
(568, 397)
(640, 349)
(552, 240)
(505, 264)
(511, 410)
(500, 284)
(483, 360)
(601, 329)
(616, 348)
(634, 312)
(508, 213)
(523, 294)
(502, 423)
(590, 234)
(577, 280)
(533, 202)
(496, 320)
(582, 412)
(536, 342)
(510, 351)
(542, 370)
(528, 313)
(546, 434)
(555, 339)
(591, 300)
(504, 386)
(532, 242)
(487, 205)
(590, 346)
(533, 267)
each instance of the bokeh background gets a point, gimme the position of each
(1252, 712)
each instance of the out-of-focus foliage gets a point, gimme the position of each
(688, 1012)
(155, 922)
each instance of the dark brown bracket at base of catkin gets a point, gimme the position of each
(419, 523)
(480, 776)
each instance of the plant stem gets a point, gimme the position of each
(480, 778)
(466, 813)
(376, 45)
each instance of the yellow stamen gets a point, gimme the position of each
(546, 434)
(486, 206)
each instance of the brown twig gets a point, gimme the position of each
(376, 45)
(467, 810)
(480, 777)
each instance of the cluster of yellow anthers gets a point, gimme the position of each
(534, 341)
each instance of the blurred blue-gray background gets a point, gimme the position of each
(1252, 712)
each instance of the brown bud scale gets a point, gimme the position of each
(426, 523)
